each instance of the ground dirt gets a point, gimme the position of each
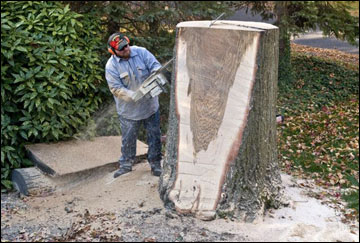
(128, 208)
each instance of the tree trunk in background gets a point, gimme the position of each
(285, 68)
(221, 154)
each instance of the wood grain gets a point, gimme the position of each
(212, 60)
(215, 74)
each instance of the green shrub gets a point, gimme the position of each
(50, 76)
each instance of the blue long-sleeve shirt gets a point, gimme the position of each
(126, 76)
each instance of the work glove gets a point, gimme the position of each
(123, 94)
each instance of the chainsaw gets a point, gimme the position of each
(154, 84)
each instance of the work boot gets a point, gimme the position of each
(156, 169)
(121, 171)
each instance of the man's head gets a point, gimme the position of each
(118, 44)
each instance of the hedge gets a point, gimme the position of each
(51, 80)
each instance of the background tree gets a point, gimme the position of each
(334, 18)
(148, 23)
(151, 24)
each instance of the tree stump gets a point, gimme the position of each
(221, 154)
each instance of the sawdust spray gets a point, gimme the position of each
(104, 122)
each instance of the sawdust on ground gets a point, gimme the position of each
(128, 208)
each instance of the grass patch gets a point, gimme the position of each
(320, 136)
(352, 200)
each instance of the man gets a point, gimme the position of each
(125, 71)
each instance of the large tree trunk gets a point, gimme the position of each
(221, 152)
(281, 10)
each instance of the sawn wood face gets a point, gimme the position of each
(215, 74)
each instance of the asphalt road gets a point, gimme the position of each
(314, 39)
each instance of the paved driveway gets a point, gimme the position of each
(314, 39)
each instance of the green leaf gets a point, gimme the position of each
(64, 95)
(50, 105)
(37, 102)
(9, 108)
(11, 62)
(63, 62)
(23, 134)
(66, 9)
(5, 27)
(9, 148)
(22, 49)
(21, 87)
(55, 133)
(31, 106)
(51, 100)
(79, 24)
(34, 131)
(37, 69)
(6, 183)
(19, 24)
(27, 162)
(33, 95)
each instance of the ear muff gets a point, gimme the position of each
(111, 49)
(112, 52)
(127, 39)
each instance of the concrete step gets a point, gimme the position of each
(61, 158)
(69, 162)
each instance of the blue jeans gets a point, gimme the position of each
(129, 133)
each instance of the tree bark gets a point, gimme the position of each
(285, 71)
(221, 153)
